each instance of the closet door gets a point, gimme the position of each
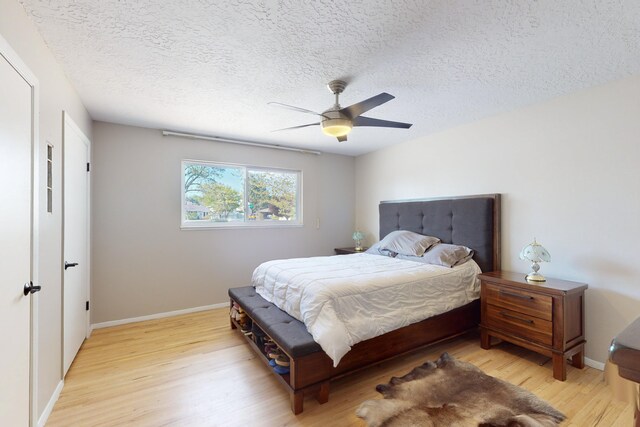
(15, 243)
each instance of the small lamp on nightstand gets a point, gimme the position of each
(358, 236)
(535, 253)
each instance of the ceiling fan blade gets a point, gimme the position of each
(368, 121)
(355, 110)
(296, 127)
(342, 138)
(294, 108)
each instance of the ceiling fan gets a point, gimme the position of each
(338, 121)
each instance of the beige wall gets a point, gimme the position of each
(56, 95)
(144, 264)
(568, 171)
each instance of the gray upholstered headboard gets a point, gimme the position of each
(472, 221)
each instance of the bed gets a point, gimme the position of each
(472, 221)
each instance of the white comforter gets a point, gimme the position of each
(346, 299)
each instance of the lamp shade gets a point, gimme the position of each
(535, 253)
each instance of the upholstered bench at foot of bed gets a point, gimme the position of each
(311, 369)
(289, 334)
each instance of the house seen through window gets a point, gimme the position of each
(215, 194)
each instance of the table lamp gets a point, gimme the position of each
(535, 253)
(358, 236)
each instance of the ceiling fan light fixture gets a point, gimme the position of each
(336, 127)
(338, 122)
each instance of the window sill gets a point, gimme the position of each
(222, 226)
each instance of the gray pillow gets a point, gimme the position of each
(443, 254)
(375, 250)
(405, 242)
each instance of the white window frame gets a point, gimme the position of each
(186, 224)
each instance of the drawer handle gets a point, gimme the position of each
(511, 316)
(510, 294)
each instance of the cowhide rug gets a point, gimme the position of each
(449, 392)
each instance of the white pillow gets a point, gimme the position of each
(405, 242)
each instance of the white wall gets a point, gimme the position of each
(569, 173)
(144, 264)
(56, 95)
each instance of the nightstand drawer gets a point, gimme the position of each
(518, 323)
(535, 305)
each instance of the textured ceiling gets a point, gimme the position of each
(210, 67)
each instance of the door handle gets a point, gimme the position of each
(69, 264)
(30, 288)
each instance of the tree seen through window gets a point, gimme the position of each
(215, 193)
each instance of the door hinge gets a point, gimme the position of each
(87, 306)
(88, 166)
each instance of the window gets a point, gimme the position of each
(221, 195)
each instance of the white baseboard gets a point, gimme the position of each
(157, 315)
(47, 410)
(594, 363)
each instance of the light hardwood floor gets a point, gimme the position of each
(193, 370)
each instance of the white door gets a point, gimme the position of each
(76, 240)
(15, 243)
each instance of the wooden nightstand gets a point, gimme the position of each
(547, 318)
(346, 251)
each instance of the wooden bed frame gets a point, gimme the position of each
(311, 374)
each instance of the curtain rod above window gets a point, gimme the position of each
(237, 141)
